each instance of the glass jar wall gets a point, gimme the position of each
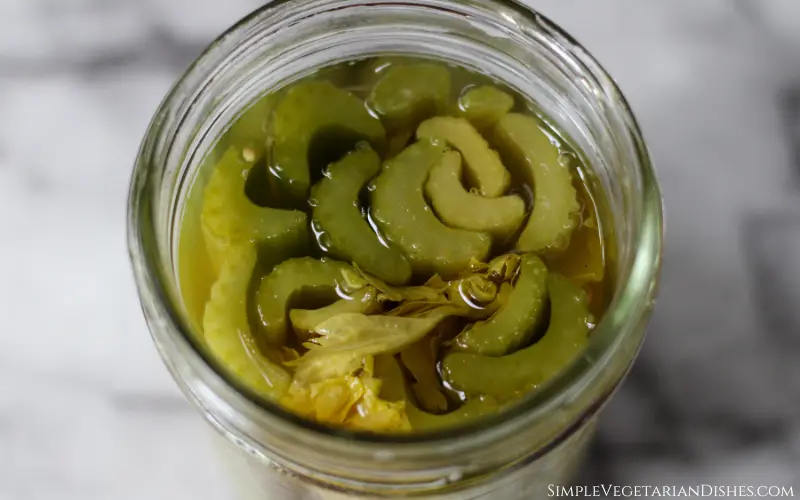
(516, 454)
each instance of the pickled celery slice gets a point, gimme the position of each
(459, 208)
(584, 260)
(364, 301)
(511, 376)
(473, 409)
(229, 219)
(534, 159)
(315, 124)
(515, 323)
(400, 210)
(393, 388)
(484, 170)
(227, 331)
(289, 281)
(420, 360)
(407, 94)
(484, 106)
(339, 222)
(250, 129)
(398, 141)
(393, 383)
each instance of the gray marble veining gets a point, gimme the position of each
(88, 412)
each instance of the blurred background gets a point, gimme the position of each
(88, 412)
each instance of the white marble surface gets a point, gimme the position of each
(86, 409)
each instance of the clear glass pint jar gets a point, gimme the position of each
(516, 454)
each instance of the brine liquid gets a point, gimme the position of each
(587, 261)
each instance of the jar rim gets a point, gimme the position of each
(633, 299)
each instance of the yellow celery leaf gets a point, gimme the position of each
(329, 401)
(309, 371)
(370, 335)
(346, 338)
(351, 401)
(374, 414)
(364, 301)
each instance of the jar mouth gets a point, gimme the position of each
(629, 309)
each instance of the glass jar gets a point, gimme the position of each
(516, 454)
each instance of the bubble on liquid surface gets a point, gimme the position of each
(566, 158)
(342, 292)
(324, 241)
(322, 237)
(462, 95)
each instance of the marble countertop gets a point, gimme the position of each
(88, 412)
